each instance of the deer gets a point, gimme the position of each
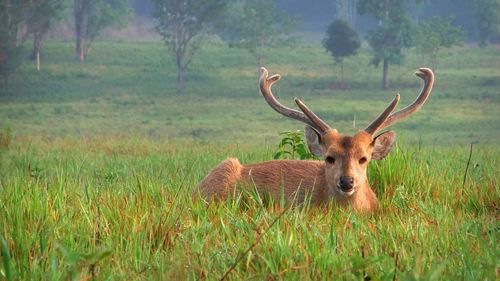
(340, 177)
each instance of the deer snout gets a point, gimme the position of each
(346, 183)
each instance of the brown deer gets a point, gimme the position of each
(341, 177)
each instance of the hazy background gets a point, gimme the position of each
(124, 73)
(315, 15)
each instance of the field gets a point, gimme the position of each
(98, 162)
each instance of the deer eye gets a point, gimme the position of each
(330, 160)
(362, 160)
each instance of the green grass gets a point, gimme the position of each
(129, 89)
(133, 198)
(99, 161)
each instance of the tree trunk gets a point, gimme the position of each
(80, 54)
(80, 42)
(342, 72)
(180, 73)
(385, 80)
(180, 80)
(81, 10)
(37, 47)
(38, 60)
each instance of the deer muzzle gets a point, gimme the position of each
(346, 184)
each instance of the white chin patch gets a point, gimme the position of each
(348, 193)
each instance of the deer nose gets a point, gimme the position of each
(346, 183)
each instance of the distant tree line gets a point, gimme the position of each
(23, 19)
(477, 18)
(91, 17)
(394, 32)
(389, 26)
(18, 21)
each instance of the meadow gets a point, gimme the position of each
(99, 161)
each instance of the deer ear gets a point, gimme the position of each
(313, 141)
(382, 145)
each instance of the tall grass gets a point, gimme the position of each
(99, 162)
(123, 209)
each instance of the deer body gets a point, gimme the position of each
(341, 177)
(297, 180)
(293, 180)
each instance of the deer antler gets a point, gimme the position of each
(307, 116)
(386, 119)
(377, 123)
(320, 124)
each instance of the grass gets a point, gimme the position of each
(133, 198)
(99, 161)
(129, 89)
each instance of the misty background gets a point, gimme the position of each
(313, 17)
(181, 69)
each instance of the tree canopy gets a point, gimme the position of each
(256, 25)
(42, 15)
(12, 16)
(341, 41)
(393, 34)
(183, 25)
(487, 19)
(434, 34)
(93, 16)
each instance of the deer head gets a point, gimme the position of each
(347, 157)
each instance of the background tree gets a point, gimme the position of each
(341, 41)
(487, 19)
(93, 16)
(434, 34)
(392, 35)
(183, 25)
(12, 17)
(256, 25)
(42, 15)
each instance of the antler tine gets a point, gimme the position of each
(320, 124)
(377, 123)
(266, 83)
(425, 74)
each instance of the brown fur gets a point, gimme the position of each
(294, 180)
(222, 180)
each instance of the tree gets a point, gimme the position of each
(487, 18)
(183, 25)
(42, 15)
(392, 35)
(434, 34)
(341, 41)
(12, 18)
(255, 25)
(93, 16)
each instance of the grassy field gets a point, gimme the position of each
(98, 162)
(129, 89)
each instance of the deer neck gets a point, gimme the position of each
(364, 199)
